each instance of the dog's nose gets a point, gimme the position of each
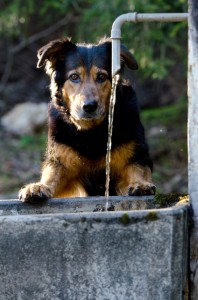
(90, 106)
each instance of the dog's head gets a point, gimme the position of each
(81, 74)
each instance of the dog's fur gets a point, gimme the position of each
(78, 122)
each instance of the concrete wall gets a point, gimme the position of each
(117, 255)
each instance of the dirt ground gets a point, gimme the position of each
(20, 162)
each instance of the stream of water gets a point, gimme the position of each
(109, 140)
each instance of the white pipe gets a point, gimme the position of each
(135, 18)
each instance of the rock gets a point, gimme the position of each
(157, 131)
(25, 118)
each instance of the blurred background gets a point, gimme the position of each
(160, 82)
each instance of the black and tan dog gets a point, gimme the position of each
(78, 121)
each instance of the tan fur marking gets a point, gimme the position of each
(134, 177)
(88, 87)
(51, 175)
(76, 163)
(147, 174)
(104, 89)
(120, 157)
(63, 178)
(72, 189)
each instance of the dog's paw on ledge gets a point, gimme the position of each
(34, 192)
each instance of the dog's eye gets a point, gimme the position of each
(101, 77)
(74, 77)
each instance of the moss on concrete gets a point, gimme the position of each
(152, 216)
(125, 219)
(167, 200)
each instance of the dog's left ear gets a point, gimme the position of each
(53, 50)
(128, 58)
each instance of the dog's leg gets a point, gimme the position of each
(55, 182)
(135, 180)
(74, 188)
(46, 187)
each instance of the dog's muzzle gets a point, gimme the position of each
(90, 111)
(90, 106)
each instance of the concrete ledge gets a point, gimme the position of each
(117, 255)
(71, 205)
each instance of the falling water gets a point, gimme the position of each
(109, 140)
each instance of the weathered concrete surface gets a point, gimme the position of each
(193, 139)
(94, 256)
(87, 204)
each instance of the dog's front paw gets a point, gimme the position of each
(34, 192)
(142, 189)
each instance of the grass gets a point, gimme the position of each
(32, 141)
(167, 115)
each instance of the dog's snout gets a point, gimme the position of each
(90, 106)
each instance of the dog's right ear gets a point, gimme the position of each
(53, 51)
(128, 58)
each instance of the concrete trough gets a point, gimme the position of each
(68, 249)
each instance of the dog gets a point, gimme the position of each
(78, 126)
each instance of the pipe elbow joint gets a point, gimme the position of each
(117, 24)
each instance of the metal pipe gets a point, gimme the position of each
(137, 18)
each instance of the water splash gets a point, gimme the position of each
(109, 140)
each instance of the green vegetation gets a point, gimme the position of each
(152, 216)
(83, 219)
(156, 45)
(32, 141)
(166, 130)
(125, 219)
(167, 200)
(167, 115)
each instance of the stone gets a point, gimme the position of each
(51, 251)
(25, 118)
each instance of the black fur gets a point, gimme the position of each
(92, 143)
(60, 57)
